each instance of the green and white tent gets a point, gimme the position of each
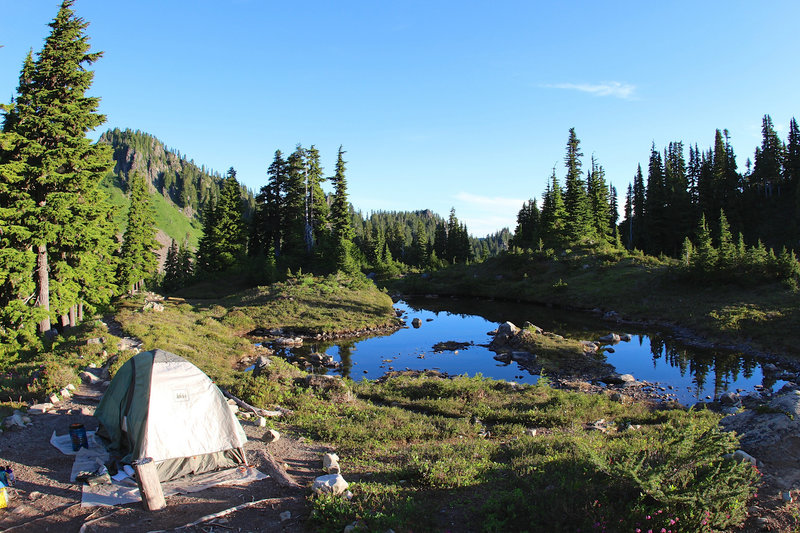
(159, 405)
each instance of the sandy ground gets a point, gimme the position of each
(43, 498)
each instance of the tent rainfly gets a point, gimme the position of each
(159, 405)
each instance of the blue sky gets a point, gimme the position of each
(438, 104)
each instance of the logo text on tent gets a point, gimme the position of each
(181, 395)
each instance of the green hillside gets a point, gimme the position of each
(169, 218)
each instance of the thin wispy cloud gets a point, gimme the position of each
(615, 89)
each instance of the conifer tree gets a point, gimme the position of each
(138, 256)
(578, 219)
(316, 203)
(229, 227)
(272, 201)
(171, 267)
(60, 170)
(207, 259)
(527, 232)
(294, 205)
(553, 216)
(705, 256)
(340, 217)
(656, 213)
(599, 202)
(727, 251)
(638, 232)
(768, 164)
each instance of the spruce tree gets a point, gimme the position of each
(527, 232)
(576, 202)
(554, 215)
(638, 231)
(207, 259)
(316, 203)
(705, 256)
(727, 251)
(293, 221)
(138, 258)
(273, 202)
(656, 214)
(171, 276)
(599, 202)
(229, 227)
(340, 217)
(60, 170)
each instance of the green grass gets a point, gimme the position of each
(311, 305)
(417, 459)
(168, 216)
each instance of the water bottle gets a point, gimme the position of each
(77, 434)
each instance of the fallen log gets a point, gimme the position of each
(260, 412)
(276, 471)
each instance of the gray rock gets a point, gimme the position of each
(523, 357)
(626, 337)
(330, 460)
(40, 408)
(730, 399)
(589, 346)
(611, 338)
(743, 456)
(271, 436)
(507, 328)
(331, 484)
(286, 515)
(416, 322)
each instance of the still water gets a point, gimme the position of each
(690, 373)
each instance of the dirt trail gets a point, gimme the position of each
(45, 500)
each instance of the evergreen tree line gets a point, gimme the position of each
(762, 203)
(59, 255)
(296, 225)
(584, 210)
(666, 213)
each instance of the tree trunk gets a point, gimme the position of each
(80, 312)
(44, 287)
(73, 311)
(64, 321)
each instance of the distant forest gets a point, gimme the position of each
(704, 210)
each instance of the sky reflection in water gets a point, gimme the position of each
(650, 356)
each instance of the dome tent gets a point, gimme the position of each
(159, 405)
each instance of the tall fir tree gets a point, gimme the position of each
(316, 204)
(554, 216)
(599, 202)
(340, 217)
(293, 220)
(138, 258)
(59, 172)
(229, 227)
(576, 201)
(638, 230)
(527, 232)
